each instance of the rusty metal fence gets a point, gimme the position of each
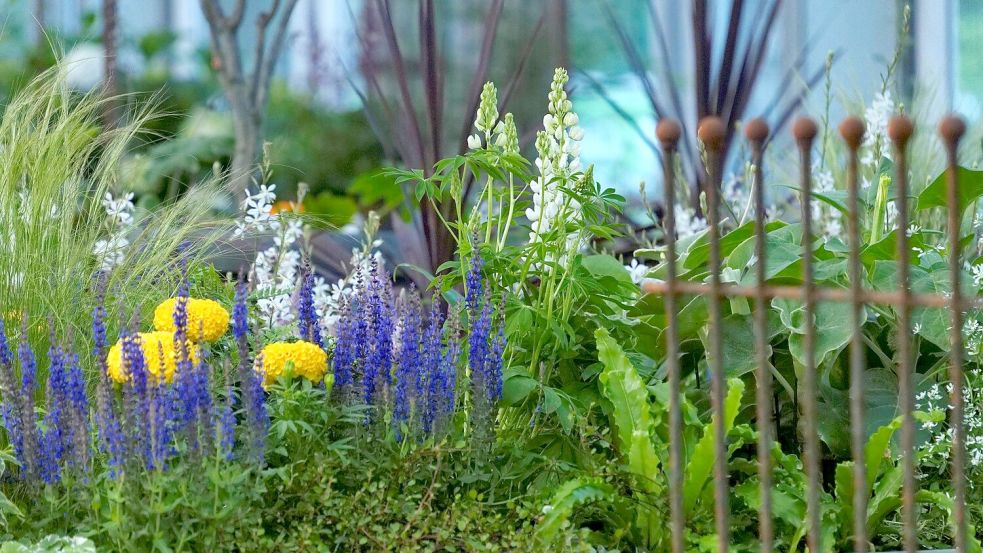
(711, 133)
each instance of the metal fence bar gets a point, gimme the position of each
(852, 131)
(952, 129)
(805, 131)
(821, 293)
(757, 133)
(668, 133)
(711, 132)
(900, 130)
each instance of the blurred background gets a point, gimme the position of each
(336, 104)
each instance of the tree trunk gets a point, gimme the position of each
(246, 125)
(110, 114)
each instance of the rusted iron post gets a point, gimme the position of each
(951, 129)
(757, 132)
(852, 131)
(668, 133)
(899, 130)
(804, 130)
(711, 132)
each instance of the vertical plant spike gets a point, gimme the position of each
(804, 130)
(408, 363)
(952, 129)
(12, 412)
(310, 325)
(136, 399)
(899, 130)
(852, 131)
(29, 431)
(448, 372)
(711, 133)
(343, 361)
(668, 132)
(432, 363)
(378, 360)
(757, 134)
(254, 405)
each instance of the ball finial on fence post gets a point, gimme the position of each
(712, 132)
(804, 129)
(899, 130)
(668, 132)
(952, 128)
(852, 130)
(756, 130)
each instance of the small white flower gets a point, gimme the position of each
(637, 271)
(474, 142)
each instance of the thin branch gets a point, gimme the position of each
(264, 72)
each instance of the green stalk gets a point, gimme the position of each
(877, 222)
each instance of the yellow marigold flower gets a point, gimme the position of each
(207, 319)
(309, 361)
(153, 344)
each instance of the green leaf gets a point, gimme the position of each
(737, 345)
(699, 252)
(831, 332)
(517, 387)
(606, 267)
(569, 495)
(970, 188)
(630, 410)
(701, 462)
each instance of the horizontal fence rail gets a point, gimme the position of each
(900, 130)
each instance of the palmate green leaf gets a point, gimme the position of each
(630, 411)
(700, 464)
(570, 494)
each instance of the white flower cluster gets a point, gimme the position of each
(687, 222)
(935, 402)
(276, 270)
(558, 159)
(111, 251)
(328, 297)
(876, 117)
(827, 219)
(257, 212)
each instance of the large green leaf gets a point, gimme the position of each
(737, 345)
(630, 410)
(699, 253)
(970, 188)
(932, 323)
(701, 462)
(832, 332)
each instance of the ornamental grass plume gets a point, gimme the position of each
(58, 226)
(207, 319)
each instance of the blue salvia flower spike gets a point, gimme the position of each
(409, 360)
(29, 432)
(343, 361)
